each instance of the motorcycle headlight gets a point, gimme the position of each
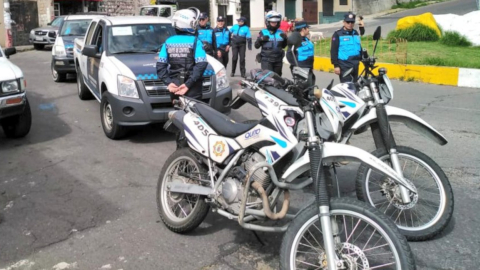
(10, 87)
(59, 50)
(127, 87)
(222, 79)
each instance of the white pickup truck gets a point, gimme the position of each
(116, 64)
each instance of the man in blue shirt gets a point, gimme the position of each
(182, 59)
(222, 36)
(346, 48)
(272, 41)
(206, 35)
(241, 37)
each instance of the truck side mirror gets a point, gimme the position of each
(10, 51)
(91, 51)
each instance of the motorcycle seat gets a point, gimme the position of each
(283, 95)
(222, 124)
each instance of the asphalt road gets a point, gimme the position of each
(69, 196)
(389, 22)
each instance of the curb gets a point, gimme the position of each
(453, 76)
(24, 48)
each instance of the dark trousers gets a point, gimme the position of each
(275, 67)
(239, 49)
(345, 67)
(224, 58)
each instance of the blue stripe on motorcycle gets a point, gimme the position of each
(349, 104)
(281, 143)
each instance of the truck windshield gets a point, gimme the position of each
(138, 38)
(75, 27)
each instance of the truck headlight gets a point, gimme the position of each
(127, 87)
(10, 87)
(32, 32)
(59, 50)
(222, 79)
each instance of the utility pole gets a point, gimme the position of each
(2, 27)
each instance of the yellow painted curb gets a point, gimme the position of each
(426, 74)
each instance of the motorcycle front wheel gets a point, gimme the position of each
(429, 211)
(364, 239)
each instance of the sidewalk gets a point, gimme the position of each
(24, 48)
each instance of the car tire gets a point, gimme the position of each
(38, 46)
(83, 91)
(111, 129)
(18, 126)
(57, 76)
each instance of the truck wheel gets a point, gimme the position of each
(38, 46)
(112, 130)
(83, 92)
(58, 77)
(18, 126)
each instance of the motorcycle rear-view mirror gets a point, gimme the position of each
(378, 33)
(329, 87)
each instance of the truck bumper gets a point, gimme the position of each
(12, 105)
(153, 106)
(63, 64)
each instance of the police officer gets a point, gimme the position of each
(346, 48)
(182, 59)
(206, 35)
(272, 41)
(241, 37)
(303, 49)
(222, 35)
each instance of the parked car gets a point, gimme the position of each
(15, 114)
(116, 64)
(45, 35)
(73, 26)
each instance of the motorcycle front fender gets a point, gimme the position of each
(333, 152)
(411, 120)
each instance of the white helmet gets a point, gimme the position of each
(186, 20)
(273, 16)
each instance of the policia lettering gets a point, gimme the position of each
(241, 37)
(272, 41)
(346, 48)
(222, 35)
(185, 55)
(206, 35)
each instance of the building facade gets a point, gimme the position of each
(254, 10)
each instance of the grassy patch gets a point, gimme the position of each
(412, 4)
(417, 32)
(451, 38)
(417, 53)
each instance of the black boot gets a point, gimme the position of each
(233, 74)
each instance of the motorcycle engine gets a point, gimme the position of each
(233, 187)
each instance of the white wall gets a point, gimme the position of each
(299, 8)
(281, 7)
(257, 14)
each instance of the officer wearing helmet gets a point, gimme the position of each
(182, 59)
(206, 35)
(272, 41)
(300, 50)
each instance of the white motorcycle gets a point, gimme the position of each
(241, 171)
(420, 216)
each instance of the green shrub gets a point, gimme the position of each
(436, 61)
(451, 38)
(411, 4)
(417, 32)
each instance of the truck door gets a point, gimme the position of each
(93, 63)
